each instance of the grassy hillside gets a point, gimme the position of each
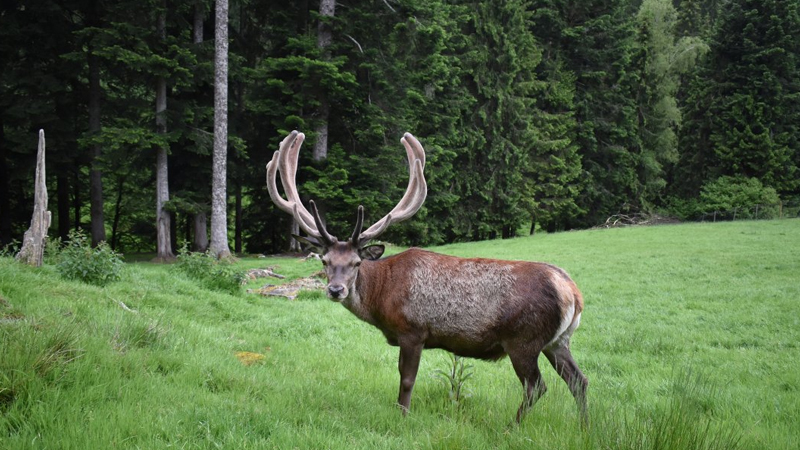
(689, 339)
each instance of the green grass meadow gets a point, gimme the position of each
(689, 340)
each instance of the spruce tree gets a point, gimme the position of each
(502, 78)
(594, 39)
(744, 108)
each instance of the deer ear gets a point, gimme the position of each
(311, 242)
(371, 252)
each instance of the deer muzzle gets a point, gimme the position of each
(337, 291)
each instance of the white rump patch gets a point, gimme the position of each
(567, 304)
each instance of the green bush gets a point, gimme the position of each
(195, 264)
(52, 249)
(79, 261)
(747, 196)
(219, 275)
(730, 198)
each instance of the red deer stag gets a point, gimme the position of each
(475, 307)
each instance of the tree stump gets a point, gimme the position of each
(32, 251)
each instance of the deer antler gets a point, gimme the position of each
(285, 160)
(415, 194)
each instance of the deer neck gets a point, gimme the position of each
(360, 301)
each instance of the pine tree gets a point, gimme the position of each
(504, 83)
(744, 109)
(594, 40)
(408, 60)
(555, 162)
(698, 17)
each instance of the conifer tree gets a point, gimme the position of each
(744, 105)
(555, 163)
(408, 59)
(502, 79)
(595, 41)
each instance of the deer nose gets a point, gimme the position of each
(335, 291)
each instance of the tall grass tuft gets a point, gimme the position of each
(685, 422)
(33, 358)
(130, 333)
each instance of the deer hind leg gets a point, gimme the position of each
(526, 365)
(560, 357)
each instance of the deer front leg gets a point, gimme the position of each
(409, 364)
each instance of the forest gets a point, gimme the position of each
(535, 114)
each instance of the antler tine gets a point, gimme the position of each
(414, 149)
(327, 238)
(415, 193)
(272, 170)
(359, 226)
(285, 160)
(288, 168)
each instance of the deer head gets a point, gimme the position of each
(343, 258)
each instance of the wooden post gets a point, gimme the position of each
(32, 252)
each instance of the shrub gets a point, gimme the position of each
(195, 264)
(52, 249)
(79, 261)
(219, 275)
(226, 277)
(747, 196)
(11, 249)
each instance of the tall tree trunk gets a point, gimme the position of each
(219, 218)
(294, 244)
(98, 227)
(76, 196)
(327, 9)
(237, 241)
(163, 228)
(320, 151)
(199, 223)
(5, 188)
(199, 16)
(117, 212)
(200, 226)
(95, 174)
(62, 198)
